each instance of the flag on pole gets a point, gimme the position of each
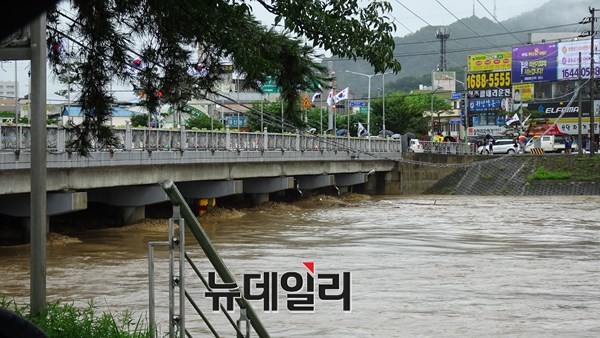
(343, 95)
(316, 96)
(361, 128)
(330, 98)
(514, 118)
(525, 121)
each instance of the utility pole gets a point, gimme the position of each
(591, 33)
(592, 85)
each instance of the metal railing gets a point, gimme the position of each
(18, 138)
(183, 216)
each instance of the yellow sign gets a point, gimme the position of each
(523, 92)
(489, 61)
(492, 80)
(306, 103)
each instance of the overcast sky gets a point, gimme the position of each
(408, 15)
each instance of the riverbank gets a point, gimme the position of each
(519, 175)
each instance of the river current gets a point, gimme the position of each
(421, 266)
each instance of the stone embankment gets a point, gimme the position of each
(510, 176)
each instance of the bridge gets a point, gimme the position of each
(205, 165)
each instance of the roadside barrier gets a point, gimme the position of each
(537, 151)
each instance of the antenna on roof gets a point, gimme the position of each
(495, 16)
(473, 7)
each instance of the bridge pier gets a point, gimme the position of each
(25, 226)
(132, 214)
(258, 199)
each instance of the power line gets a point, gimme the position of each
(500, 23)
(464, 24)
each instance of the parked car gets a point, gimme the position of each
(501, 146)
(415, 146)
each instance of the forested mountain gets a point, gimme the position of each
(419, 52)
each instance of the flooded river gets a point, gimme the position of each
(427, 266)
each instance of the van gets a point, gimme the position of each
(549, 143)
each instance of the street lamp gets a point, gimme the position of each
(383, 101)
(368, 100)
(466, 103)
(431, 112)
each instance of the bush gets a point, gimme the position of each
(63, 320)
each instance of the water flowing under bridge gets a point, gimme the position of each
(205, 164)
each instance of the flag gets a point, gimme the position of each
(343, 95)
(315, 96)
(134, 66)
(361, 128)
(525, 121)
(330, 98)
(514, 118)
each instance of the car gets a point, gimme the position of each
(501, 146)
(415, 146)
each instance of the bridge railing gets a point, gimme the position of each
(448, 148)
(14, 138)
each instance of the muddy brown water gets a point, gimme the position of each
(428, 266)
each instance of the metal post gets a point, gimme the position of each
(466, 87)
(579, 138)
(38, 166)
(212, 255)
(592, 85)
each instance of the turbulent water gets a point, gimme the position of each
(429, 266)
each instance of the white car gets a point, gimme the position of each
(501, 146)
(415, 146)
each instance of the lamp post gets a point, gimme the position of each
(383, 102)
(431, 112)
(368, 99)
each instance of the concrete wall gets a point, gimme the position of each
(419, 171)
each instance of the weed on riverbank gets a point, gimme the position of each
(65, 320)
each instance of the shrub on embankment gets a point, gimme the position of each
(65, 320)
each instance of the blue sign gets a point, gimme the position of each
(456, 96)
(357, 104)
(491, 104)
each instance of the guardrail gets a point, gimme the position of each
(13, 138)
(447, 148)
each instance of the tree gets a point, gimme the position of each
(404, 112)
(139, 120)
(202, 122)
(167, 34)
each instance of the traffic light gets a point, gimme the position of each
(435, 123)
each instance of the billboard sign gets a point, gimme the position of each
(568, 60)
(481, 105)
(489, 84)
(444, 81)
(489, 61)
(555, 109)
(534, 63)
(523, 92)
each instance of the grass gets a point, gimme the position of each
(64, 320)
(542, 174)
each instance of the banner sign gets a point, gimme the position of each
(479, 105)
(568, 60)
(444, 81)
(554, 109)
(534, 63)
(489, 61)
(489, 80)
(523, 92)
(490, 93)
